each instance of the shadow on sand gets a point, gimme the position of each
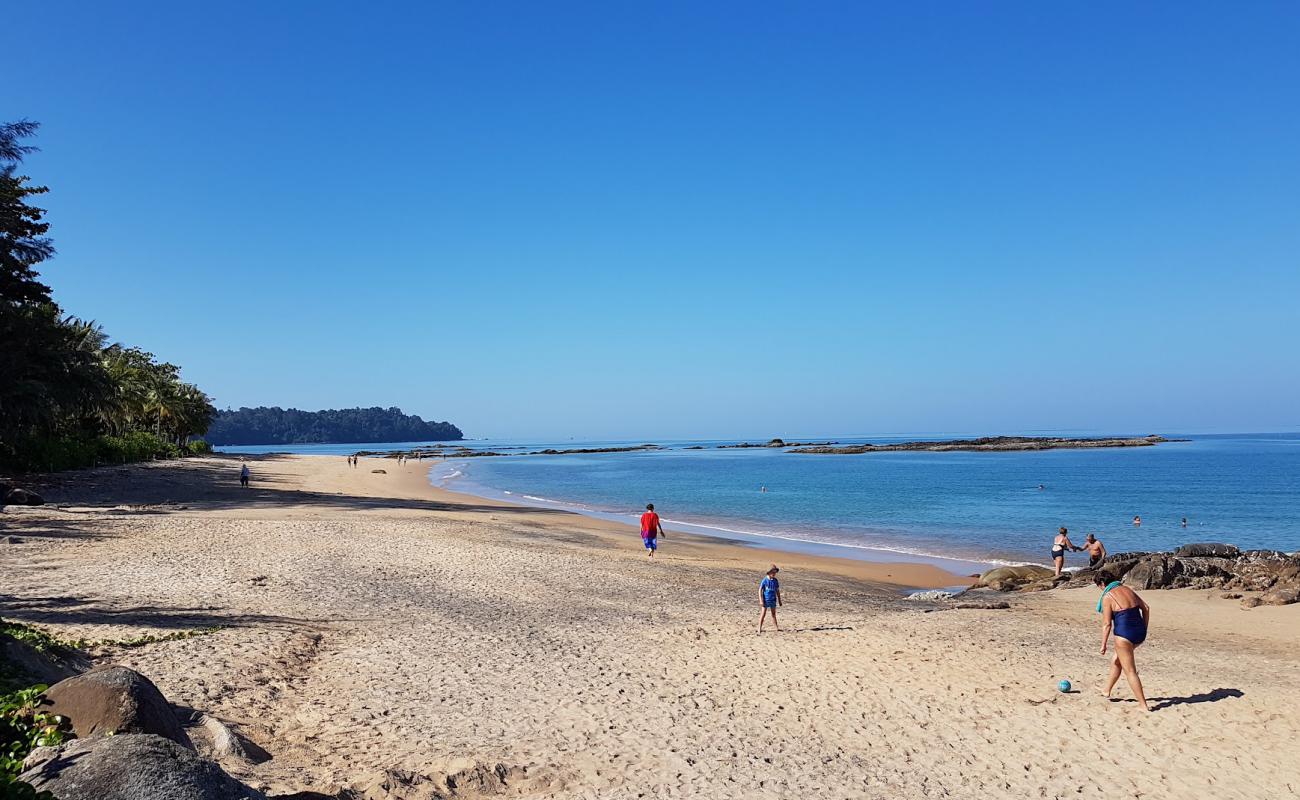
(1204, 697)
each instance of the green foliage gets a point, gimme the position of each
(78, 450)
(38, 639)
(61, 384)
(43, 641)
(198, 447)
(24, 727)
(276, 425)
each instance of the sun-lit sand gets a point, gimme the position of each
(380, 630)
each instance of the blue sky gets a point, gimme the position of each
(609, 220)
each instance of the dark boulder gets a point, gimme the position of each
(22, 497)
(114, 700)
(130, 767)
(1207, 549)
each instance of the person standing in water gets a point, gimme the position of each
(1128, 617)
(1184, 522)
(1096, 551)
(651, 530)
(1059, 545)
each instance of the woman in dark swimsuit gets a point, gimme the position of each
(1128, 617)
(1059, 545)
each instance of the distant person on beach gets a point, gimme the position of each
(1096, 551)
(1128, 617)
(769, 594)
(651, 530)
(243, 474)
(1059, 545)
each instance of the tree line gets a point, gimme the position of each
(274, 425)
(69, 397)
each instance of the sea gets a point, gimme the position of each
(958, 509)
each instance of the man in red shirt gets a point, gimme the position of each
(650, 529)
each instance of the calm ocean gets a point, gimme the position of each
(986, 507)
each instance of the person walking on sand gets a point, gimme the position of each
(243, 473)
(1096, 551)
(1128, 617)
(1059, 545)
(769, 595)
(651, 530)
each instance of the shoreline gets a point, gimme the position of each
(413, 479)
(960, 568)
(375, 634)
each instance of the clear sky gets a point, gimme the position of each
(608, 220)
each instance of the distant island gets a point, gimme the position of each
(275, 425)
(990, 444)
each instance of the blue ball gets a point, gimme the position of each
(1063, 686)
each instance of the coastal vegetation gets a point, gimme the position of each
(69, 398)
(275, 425)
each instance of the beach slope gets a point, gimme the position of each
(376, 630)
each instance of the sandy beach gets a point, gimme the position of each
(378, 632)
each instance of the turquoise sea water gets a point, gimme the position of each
(1241, 488)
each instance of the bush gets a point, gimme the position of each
(23, 727)
(54, 454)
(198, 447)
(135, 446)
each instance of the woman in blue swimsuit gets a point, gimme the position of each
(1127, 616)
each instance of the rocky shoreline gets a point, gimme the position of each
(990, 444)
(1273, 575)
(983, 444)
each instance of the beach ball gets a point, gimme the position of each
(1063, 686)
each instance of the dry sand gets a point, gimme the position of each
(376, 624)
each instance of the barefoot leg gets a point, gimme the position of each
(1124, 649)
(762, 619)
(1115, 670)
(774, 622)
(1060, 562)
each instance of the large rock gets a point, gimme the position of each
(1280, 597)
(130, 767)
(1005, 579)
(113, 699)
(1204, 549)
(22, 497)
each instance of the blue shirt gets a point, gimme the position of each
(769, 588)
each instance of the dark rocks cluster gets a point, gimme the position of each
(1274, 575)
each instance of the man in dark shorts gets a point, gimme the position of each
(651, 530)
(1096, 551)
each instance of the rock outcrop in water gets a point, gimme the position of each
(989, 444)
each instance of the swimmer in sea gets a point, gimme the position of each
(1137, 521)
(1128, 617)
